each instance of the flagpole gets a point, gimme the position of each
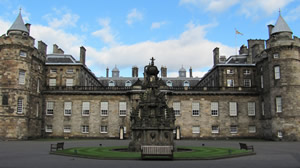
(235, 42)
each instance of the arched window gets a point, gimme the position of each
(128, 83)
(111, 83)
(186, 83)
(169, 83)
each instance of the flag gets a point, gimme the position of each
(237, 32)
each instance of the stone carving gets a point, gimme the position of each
(152, 121)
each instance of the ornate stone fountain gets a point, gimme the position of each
(152, 121)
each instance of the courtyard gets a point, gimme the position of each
(14, 154)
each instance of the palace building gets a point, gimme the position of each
(254, 94)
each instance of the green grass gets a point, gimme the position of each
(196, 153)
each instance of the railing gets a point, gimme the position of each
(247, 89)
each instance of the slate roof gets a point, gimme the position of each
(281, 26)
(60, 59)
(18, 25)
(237, 59)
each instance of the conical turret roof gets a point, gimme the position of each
(281, 26)
(18, 25)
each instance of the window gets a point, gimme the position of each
(53, 70)
(23, 54)
(20, 106)
(67, 129)
(215, 129)
(276, 55)
(85, 108)
(104, 108)
(50, 106)
(85, 129)
(232, 108)
(22, 77)
(37, 109)
(70, 70)
(111, 83)
(229, 71)
(251, 108)
(196, 129)
(103, 129)
(277, 72)
(195, 109)
(279, 134)
(262, 108)
(128, 83)
(278, 105)
(233, 129)
(246, 71)
(169, 83)
(4, 99)
(48, 128)
(176, 108)
(69, 82)
(252, 129)
(214, 106)
(186, 84)
(230, 83)
(38, 86)
(68, 108)
(247, 82)
(122, 108)
(52, 82)
(261, 81)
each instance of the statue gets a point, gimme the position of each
(152, 121)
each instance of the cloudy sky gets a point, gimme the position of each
(126, 33)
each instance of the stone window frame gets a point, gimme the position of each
(122, 108)
(53, 70)
(247, 83)
(103, 129)
(70, 70)
(52, 82)
(67, 129)
(49, 128)
(103, 110)
(23, 53)
(279, 134)
(251, 109)
(233, 110)
(50, 108)
(38, 86)
(20, 105)
(230, 83)
(85, 129)
(22, 77)
(37, 109)
(263, 108)
(233, 129)
(195, 109)
(252, 129)
(176, 108)
(277, 72)
(215, 129)
(278, 104)
(196, 129)
(5, 99)
(68, 108)
(214, 108)
(276, 55)
(69, 82)
(261, 81)
(85, 108)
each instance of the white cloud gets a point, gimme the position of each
(4, 26)
(293, 14)
(157, 25)
(133, 16)
(211, 5)
(105, 34)
(191, 48)
(61, 18)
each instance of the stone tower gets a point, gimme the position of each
(22, 80)
(152, 121)
(279, 78)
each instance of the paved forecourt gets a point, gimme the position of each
(14, 154)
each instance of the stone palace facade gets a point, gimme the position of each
(254, 94)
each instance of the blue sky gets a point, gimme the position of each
(125, 33)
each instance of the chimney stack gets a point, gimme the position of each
(163, 71)
(216, 55)
(191, 72)
(27, 25)
(135, 71)
(42, 48)
(107, 72)
(55, 48)
(270, 28)
(82, 55)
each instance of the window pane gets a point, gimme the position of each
(195, 109)
(104, 108)
(232, 108)
(50, 106)
(22, 77)
(68, 108)
(123, 108)
(85, 108)
(52, 82)
(278, 105)
(69, 82)
(251, 108)
(176, 108)
(214, 108)
(20, 106)
(277, 72)
(196, 129)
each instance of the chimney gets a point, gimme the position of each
(55, 48)
(191, 72)
(163, 71)
(135, 71)
(222, 59)
(107, 72)
(270, 28)
(27, 25)
(42, 48)
(60, 51)
(82, 55)
(216, 52)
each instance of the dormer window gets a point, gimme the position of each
(23, 54)
(169, 83)
(186, 84)
(111, 83)
(128, 83)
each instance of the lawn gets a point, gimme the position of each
(196, 153)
